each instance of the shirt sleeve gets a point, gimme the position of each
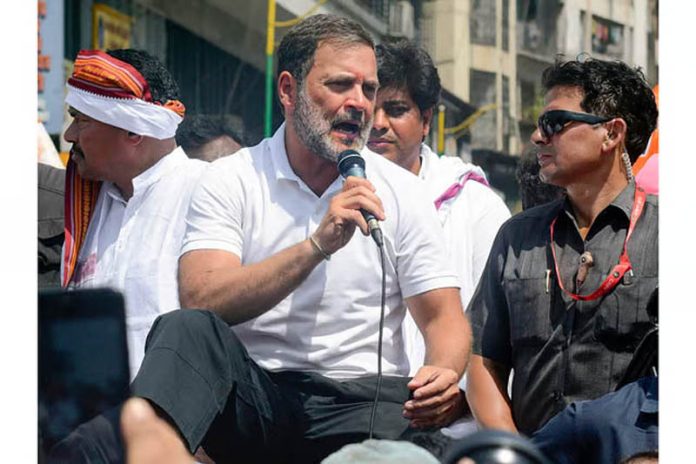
(488, 308)
(214, 219)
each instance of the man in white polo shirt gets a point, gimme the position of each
(127, 185)
(270, 250)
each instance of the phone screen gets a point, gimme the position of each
(83, 359)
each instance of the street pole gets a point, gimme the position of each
(270, 41)
(441, 130)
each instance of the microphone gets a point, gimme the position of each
(350, 163)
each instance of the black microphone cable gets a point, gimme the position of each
(379, 342)
(350, 163)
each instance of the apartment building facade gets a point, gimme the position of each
(625, 30)
(473, 44)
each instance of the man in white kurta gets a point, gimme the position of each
(133, 246)
(128, 186)
(469, 211)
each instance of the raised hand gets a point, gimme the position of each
(338, 224)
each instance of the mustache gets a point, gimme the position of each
(351, 116)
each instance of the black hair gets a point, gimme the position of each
(534, 191)
(296, 50)
(403, 65)
(162, 85)
(199, 129)
(611, 89)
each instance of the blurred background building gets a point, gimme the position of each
(490, 54)
(625, 30)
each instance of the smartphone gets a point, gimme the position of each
(83, 359)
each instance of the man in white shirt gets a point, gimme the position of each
(270, 249)
(128, 185)
(468, 210)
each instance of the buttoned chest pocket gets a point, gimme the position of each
(529, 307)
(622, 318)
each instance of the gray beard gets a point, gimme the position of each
(313, 129)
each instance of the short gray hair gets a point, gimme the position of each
(296, 50)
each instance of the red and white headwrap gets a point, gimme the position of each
(115, 93)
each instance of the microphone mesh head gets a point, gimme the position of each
(349, 160)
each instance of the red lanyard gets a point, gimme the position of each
(620, 269)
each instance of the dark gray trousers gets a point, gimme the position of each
(197, 371)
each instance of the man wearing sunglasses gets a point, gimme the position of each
(562, 300)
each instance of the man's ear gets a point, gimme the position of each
(427, 117)
(134, 138)
(616, 134)
(287, 90)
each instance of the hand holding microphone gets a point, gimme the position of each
(356, 205)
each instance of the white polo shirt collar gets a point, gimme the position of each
(283, 170)
(279, 159)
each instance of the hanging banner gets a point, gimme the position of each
(111, 29)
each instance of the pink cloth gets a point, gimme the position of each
(454, 189)
(648, 177)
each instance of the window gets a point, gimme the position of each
(507, 119)
(482, 22)
(607, 37)
(506, 26)
(379, 8)
(483, 92)
(537, 26)
(526, 10)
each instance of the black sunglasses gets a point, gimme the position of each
(554, 121)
